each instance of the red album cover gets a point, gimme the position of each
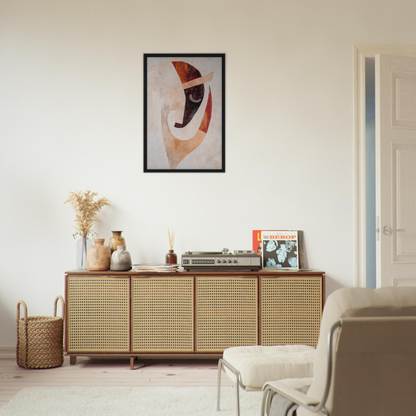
(257, 241)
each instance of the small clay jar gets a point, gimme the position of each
(116, 240)
(98, 256)
(121, 259)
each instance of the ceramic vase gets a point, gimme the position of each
(121, 259)
(116, 240)
(82, 246)
(98, 256)
(171, 258)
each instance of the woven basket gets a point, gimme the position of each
(40, 338)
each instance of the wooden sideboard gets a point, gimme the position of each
(189, 313)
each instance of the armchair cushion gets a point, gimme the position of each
(258, 364)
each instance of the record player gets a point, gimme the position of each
(240, 260)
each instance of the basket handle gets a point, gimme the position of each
(24, 340)
(56, 306)
(21, 302)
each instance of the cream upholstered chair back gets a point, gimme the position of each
(382, 355)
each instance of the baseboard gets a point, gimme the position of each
(7, 352)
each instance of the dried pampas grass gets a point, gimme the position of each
(85, 210)
(171, 236)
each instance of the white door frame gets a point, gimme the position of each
(360, 53)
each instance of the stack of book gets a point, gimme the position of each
(155, 267)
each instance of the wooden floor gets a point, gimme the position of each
(109, 372)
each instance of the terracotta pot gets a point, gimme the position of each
(98, 256)
(116, 240)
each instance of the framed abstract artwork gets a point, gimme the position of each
(184, 113)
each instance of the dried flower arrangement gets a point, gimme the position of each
(85, 210)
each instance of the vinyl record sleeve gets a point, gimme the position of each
(279, 248)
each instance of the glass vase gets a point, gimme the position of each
(171, 258)
(81, 252)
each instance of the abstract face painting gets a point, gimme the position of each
(184, 114)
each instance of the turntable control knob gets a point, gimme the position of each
(225, 250)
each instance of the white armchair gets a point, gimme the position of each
(365, 363)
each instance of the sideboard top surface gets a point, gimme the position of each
(262, 272)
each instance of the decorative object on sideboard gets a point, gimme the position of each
(40, 338)
(280, 248)
(171, 257)
(86, 210)
(116, 240)
(82, 246)
(98, 256)
(120, 259)
(240, 260)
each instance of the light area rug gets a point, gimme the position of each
(131, 401)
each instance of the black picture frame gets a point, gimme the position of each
(190, 87)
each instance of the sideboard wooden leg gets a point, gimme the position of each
(72, 359)
(131, 363)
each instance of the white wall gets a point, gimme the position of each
(71, 118)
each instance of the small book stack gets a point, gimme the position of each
(155, 267)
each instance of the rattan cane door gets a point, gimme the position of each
(162, 314)
(291, 309)
(226, 312)
(98, 310)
